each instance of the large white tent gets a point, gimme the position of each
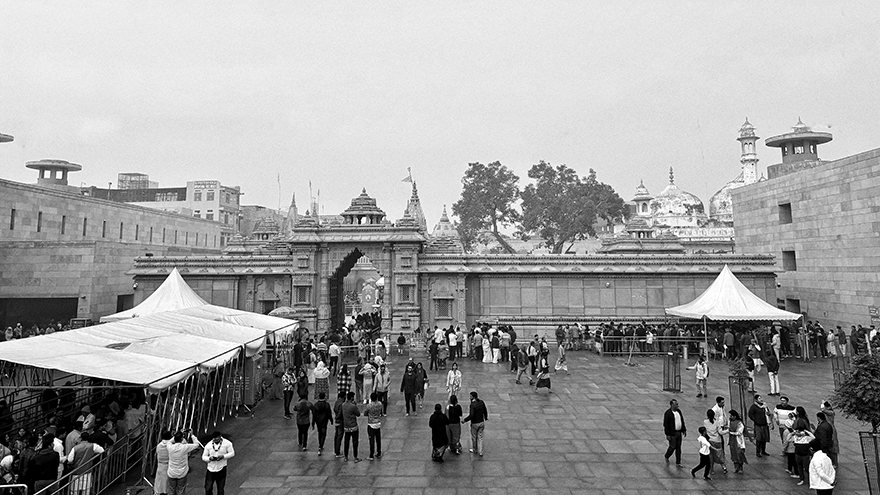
(171, 335)
(727, 299)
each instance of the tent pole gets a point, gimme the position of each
(706, 336)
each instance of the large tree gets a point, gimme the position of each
(562, 207)
(488, 196)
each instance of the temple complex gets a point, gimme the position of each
(419, 278)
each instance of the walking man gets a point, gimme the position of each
(288, 384)
(216, 454)
(522, 365)
(350, 414)
(477, 415)
(340, 428)
(303, 421)
(675, 430)
(321, 415)
(759, 415)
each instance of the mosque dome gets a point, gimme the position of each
(721, 203)
(675, 207)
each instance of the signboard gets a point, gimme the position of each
(874, 313)
(206, 184)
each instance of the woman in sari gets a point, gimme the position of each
(322, 380)
(453, 381)
(737, 442)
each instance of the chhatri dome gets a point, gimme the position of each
(674, 207)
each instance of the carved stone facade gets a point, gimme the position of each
(429, 281)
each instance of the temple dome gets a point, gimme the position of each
(675, 207)
(444, 239)
(721, 203)
(444, 227)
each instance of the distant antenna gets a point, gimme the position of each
(279, 192)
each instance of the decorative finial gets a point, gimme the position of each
(671, 176)
(364, 191)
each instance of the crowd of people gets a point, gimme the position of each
(69, 438)
(810, 449)
(20, 332)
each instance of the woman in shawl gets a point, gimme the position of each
(322, 380)
(561, 363)
(453, 381)
(421, 382)
(343, 381)
(487, 348)
(368, 372)
(737, 442)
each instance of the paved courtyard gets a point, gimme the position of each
(599, 432)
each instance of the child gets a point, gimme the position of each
(705, 450)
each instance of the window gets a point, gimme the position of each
(63, 224)
(186, 238)
(85, 226)
(406, 261)
(226, 218)
(40, 221)
(228, 198)
(197, 196)
(405, 293)
(163, 236)
(210, 196)
(12, 220)
(784, 213)
(209, 215)
(121, 227)
(302, 295)
(789, 261)
(813, 147)
(166, 196)
(644, 207)
(197, 213)
(175, 237)
(303, 262)
(444, 308)
(799, 149)
(151, 236)
(137, 231)
(104, 228)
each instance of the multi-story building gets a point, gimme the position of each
(207, 199)
(821, 219)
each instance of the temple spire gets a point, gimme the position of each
(414, 209)
(671, 176)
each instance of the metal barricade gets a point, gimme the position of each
(672, 372)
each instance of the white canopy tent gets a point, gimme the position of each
(727, 299)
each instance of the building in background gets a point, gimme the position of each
(821, 220)
(64, 255)
(207, 199)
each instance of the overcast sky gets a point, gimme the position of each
(348, 95)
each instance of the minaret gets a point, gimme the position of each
(414, 209)
(749, 158)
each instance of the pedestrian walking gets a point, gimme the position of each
(374, 426)
(288, 383)
(409, 387)
(835, 446)
(160, 484)
(382, 384)
(303, 420)
(701, 374)
(674, 429)
(478, 414)
(772, 364)
(343, 381)
(453, 381)
(713, 430)
(543, 372)
(339, 434)
(321, 415)
(322, 379)
(561, 363)
(453, 428)
(350, 414)
(422, 382)
(217, 454)
(737, 442)
(401, 342)
(439, 439)
(522, 365)
(705, 459)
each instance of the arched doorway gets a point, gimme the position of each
(360, 295)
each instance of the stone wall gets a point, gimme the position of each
(834, 234)
(54, 263)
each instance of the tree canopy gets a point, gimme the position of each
(859, 395)
(487, 201)
(561, 207)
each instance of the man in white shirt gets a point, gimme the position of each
(822, 473)
(178, 461)
(78, 459)
(216, 453)
(453, 346)
(722, 419)
(439, 335)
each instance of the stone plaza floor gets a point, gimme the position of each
(599, 432)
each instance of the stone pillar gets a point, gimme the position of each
(390, 287)
(324, 288)
(249, 293)
(461, 301)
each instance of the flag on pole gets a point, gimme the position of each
(408, 177)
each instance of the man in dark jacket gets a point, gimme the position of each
(43, 469)
(758, 413)
(321, 415)
(303, 411)
(409, 388)
(772, 372)
(675, 430)
(340, 429)
(824, 432)
(439, 438)
(350, 414)
(477, 415)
